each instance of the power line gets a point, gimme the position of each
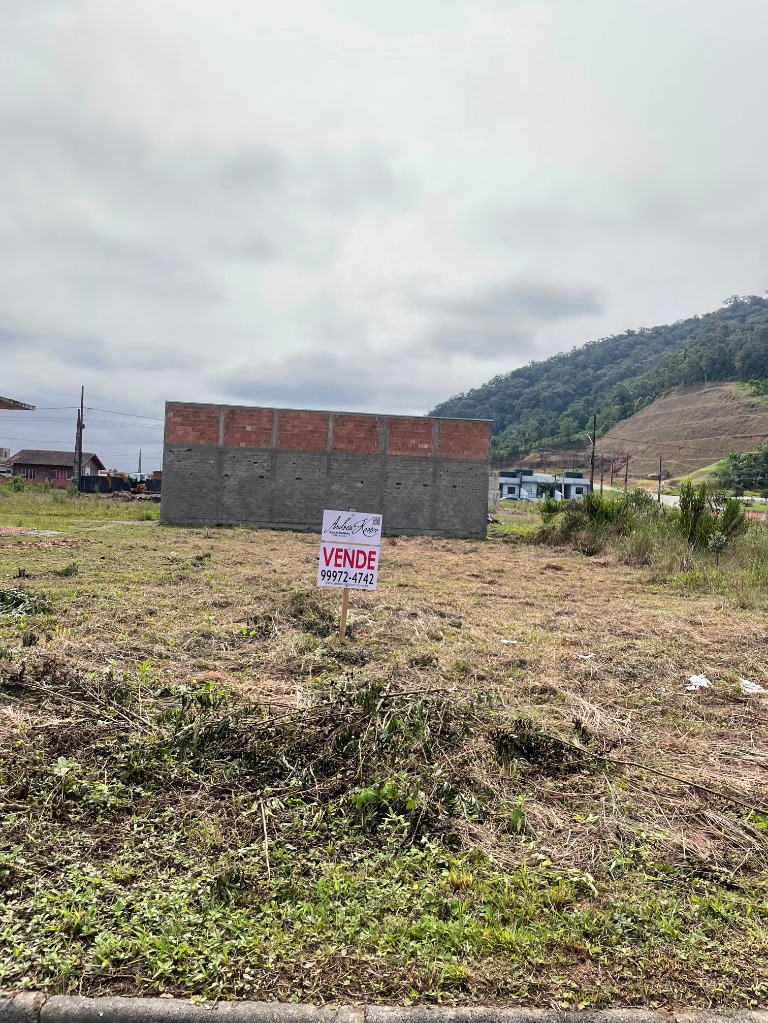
(131, 415)
(88, 408)
(102, 422)
(106, 443)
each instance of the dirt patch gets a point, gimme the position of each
(22, 530)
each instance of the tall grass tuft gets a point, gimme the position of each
(707, 544)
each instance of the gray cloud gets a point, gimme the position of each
(483, 341)
(351, 379)
(86, 353)
(720, 212)
(510, 299)
(499, 319)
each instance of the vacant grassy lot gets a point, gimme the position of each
(500, 790)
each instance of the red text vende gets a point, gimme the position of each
(332, 556)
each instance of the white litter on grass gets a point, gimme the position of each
(509, 641)
(697, 682)
(751, 688)
(585, 657)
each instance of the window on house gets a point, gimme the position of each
(59, 474)
(579, 490)
(30, 474)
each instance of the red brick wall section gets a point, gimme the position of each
(308, 431)
(192, 424)
(248, 427)
(409, 436)
(464, 438)
(302, 431)
(357, 434)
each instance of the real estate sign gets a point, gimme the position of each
(349, 550)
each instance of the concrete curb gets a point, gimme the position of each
(35, 1007)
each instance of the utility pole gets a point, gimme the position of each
(611, 470)
(626, 474)
(658, 494)
(139, 461)
(602, 473)
(592, 457)
(77, 467)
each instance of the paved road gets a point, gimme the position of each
(670, 500)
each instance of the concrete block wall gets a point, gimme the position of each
(236, 465)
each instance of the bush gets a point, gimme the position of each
(602, 509)
(18, 484)
(590, 523)
(704, 512)
(655, 542)
(549, 507)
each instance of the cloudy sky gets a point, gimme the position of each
(363, 204)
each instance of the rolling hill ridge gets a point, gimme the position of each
(619, 376)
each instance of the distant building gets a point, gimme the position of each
(525, 485)
(573, 486)
(51, 465)
(11, 403)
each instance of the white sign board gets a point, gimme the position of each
(349, 550)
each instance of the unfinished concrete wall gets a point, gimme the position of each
(234, 465)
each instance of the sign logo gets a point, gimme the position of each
(354, 527)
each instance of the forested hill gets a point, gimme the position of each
(617, 376)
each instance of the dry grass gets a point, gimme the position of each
(588, 650)
(585, 647)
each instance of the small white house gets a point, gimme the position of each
(524, 485)
(573, 486)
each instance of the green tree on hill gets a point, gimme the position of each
(752, 359)
(568, 427)
(617, 376)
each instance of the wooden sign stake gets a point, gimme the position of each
(344, 607)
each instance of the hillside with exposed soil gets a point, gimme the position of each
(689, 428)
(548, 404)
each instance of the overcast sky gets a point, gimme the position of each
(358, 204)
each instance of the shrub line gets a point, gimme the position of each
(36, 1007)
